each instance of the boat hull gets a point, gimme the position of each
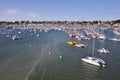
(93, 62)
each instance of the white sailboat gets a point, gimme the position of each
(94, 60)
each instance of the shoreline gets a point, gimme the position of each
(59, 24)
(91, 29)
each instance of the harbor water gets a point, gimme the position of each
(41, 55)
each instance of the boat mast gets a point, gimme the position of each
(93, 47)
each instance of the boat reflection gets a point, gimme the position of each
(89, 67)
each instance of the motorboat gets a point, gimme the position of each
(116, 32)
(72, 43)
(15, 37)
(19, 32)
(114, 39)
(102, 37)
(94, 60)
(103, 50)
(80, 45)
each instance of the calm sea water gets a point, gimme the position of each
(37, 58)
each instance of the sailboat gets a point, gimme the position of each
(94, 60)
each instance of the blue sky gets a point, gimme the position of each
(59, 10)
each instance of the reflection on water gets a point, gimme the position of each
(88, 67)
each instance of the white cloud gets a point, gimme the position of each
(12, 11)
(9, 12)
(33, 15)
(16, 14)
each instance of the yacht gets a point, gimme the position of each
(116, 32)
(103, 50)
(94, 60)
(15, 37)
(80, 45)
(114, 39)
(102, 37)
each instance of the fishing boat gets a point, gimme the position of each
(72, 43)
(103, 50)
(94, 60)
